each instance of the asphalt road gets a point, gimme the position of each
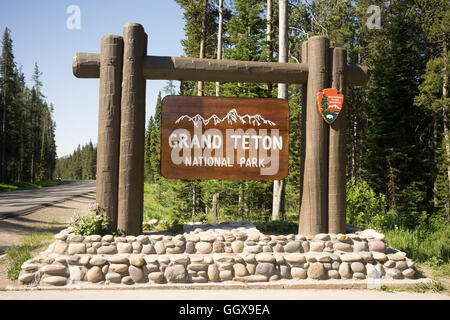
(23, 202)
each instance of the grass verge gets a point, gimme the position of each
(15, 186)
(17, 255)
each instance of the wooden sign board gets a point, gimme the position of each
(224, 138)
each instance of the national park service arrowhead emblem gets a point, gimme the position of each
(329, 102)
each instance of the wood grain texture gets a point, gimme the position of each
(173, 107)
(111, 61)
(337, 149)
(314, 208)
(303, 136)
(132, 131)
(87, 65)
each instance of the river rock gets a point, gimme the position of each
(118, 258)
(372, 234)
(298, 273)
(203, 247)
(389, 264)
(113, 277)
(359, 275)
(160, 248)
(156, 277)
(394, 273)
(142, 238)
(372, 272)
(379, 256)
(124, 247)
(136, 274)
(55, 280)
(305, 246)
(190, 247)
(60, 247)
(76, 248)
(218, 246)
(285, 272)
(136, 260)
(75, 238)
(265, 257)
(316, 271)
(333, 274)
(61, 236)
(240, 270)
(350, 257)
(253, 249)
(108, 249)
(295, 258)
(119, 267)
(176, 274)
(226, 275)
(127, 280)
(97, 261)
(26, 278)
(94, 274)
(408, 273)
(344, 270)
(266, 269)
(398, 256)
(316, 246)
(29, 267)
(358, 267)
(237, 246)
(359, 246)
(377, 245)
(137, 247)
(54, 269)
(213, 273)
(293, 246)
(207, 237)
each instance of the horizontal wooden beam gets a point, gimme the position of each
(87, 65)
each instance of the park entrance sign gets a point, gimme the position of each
(238, 138)
(224, 138)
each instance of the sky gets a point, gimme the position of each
(40, 33)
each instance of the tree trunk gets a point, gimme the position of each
(269, 41)
(194, 199)
(240, 197)
(219, 40)
(435, 159)
(202, 45)
(3, 170)
(445, 120)
(278, 185)
(215, 211)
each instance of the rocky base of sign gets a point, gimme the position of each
(214, 253)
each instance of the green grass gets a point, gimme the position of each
(422, 245)
(15, 186)
(17, 255)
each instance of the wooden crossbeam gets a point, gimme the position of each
(87, 65)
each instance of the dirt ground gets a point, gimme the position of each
(47, 220)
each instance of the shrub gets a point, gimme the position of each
(277, 226)
(90, 224)
(365, 208)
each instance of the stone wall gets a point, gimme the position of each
(214, 253)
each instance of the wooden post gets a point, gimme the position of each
(314, 208)
(337, 151)
(111, 55)
(303, 136)
(131, 164)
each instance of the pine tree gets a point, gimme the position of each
(7, 74)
